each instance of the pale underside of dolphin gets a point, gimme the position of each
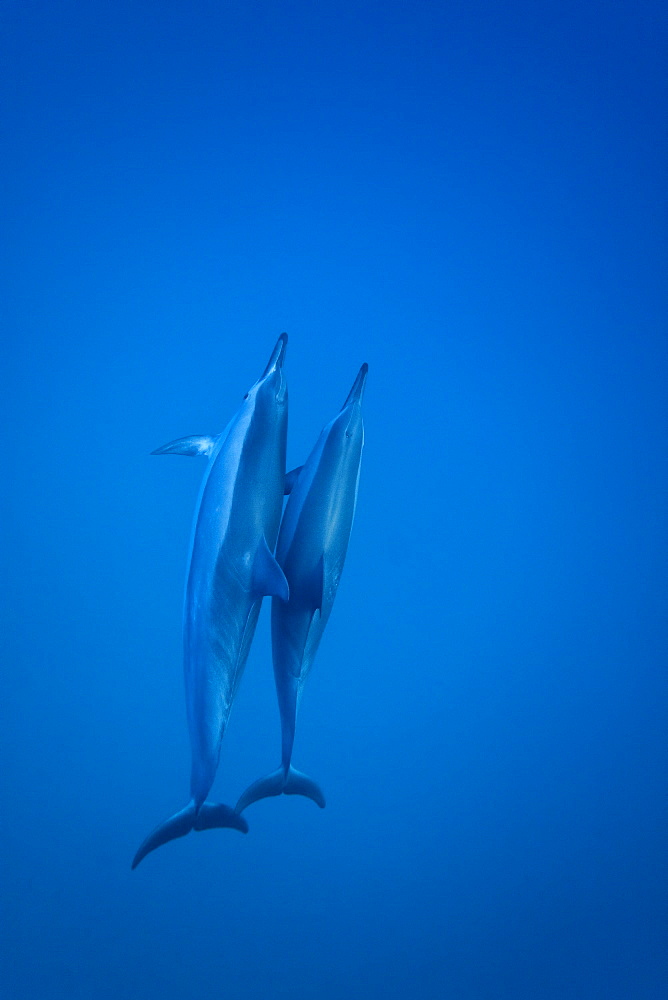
(311, 550)
(230, 569)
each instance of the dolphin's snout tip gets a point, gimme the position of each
(277, 355)
(360, 382)
(281, 345)
(355, 394)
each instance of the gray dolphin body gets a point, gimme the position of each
(311, 550)
(231, 567)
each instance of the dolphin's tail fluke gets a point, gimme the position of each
(277, 783)
(299, 783)
(208, 817)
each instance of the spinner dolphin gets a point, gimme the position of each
(311, 550)
(230, 569)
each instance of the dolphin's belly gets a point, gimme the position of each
(218, 615)
(296, 631)
(312, 566)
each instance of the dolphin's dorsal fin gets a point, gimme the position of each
(315, 585)
(195, 444)
(291, 479)
(268, 577)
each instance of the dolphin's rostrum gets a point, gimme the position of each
(231, 567)
(311, 550)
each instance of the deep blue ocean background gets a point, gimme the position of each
(471, 197)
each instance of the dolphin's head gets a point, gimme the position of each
(270, 390)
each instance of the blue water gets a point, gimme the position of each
(470, 197)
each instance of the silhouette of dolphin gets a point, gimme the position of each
(231, 568)
(312, 545)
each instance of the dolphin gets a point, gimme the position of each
(311, 550)
(230, 569)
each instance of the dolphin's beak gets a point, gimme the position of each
(277, 356)
(355, 394)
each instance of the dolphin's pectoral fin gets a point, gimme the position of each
(276, 783)
(291, 479)
(194, 445)
(268, 577)
(177, 825)
(215, 815)
(315, 585)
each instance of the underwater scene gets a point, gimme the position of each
(335, 596)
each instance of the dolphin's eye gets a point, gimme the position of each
(247, 395)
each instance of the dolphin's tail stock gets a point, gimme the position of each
(209, 816)
(278, 783)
